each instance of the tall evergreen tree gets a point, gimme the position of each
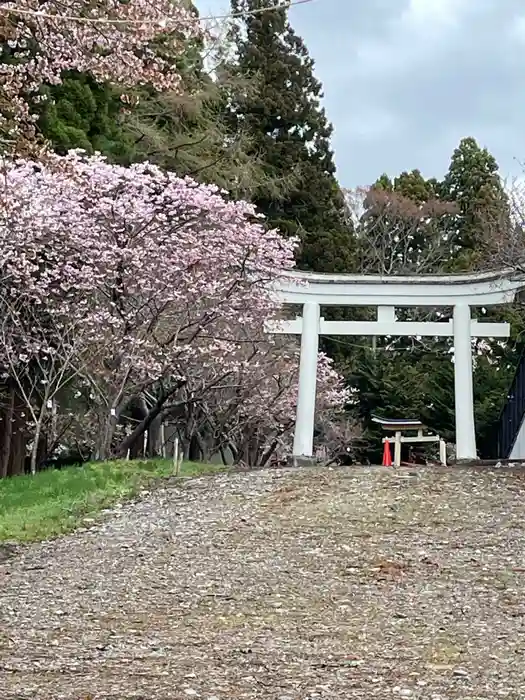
(290, 133)
(474, 185)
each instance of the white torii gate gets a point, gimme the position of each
(313, 290)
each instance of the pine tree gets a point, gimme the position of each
(290, 133)
(189, 133)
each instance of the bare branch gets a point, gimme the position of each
(398, 236)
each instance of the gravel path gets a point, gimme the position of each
(286, 585)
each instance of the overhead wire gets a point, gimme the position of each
(159, 22)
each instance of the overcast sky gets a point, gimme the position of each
(405, 80)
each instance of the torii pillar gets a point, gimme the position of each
(463, 384)
(305, 417)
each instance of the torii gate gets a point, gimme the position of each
(313, 290)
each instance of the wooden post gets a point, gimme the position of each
(177, 459)
(145, 446)
(54, 422)
(443, 452)
(397, 449)
(163, 440)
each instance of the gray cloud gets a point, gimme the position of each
(405, 80)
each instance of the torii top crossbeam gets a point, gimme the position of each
(478, 289)
(313, 290)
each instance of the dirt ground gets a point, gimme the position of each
(286, 585)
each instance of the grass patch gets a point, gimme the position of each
(54, 502)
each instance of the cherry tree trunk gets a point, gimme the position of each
(13, 436)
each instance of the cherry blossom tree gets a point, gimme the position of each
(123, 43)
(143, 264)
(250, 415)
(39, 358)
(267, 416)
(134, 280)
(397, 235)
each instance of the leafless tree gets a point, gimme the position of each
(397, 235)
(503, 232)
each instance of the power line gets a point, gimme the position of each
(257, 11)
(163, 22)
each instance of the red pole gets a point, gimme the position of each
(387, 457)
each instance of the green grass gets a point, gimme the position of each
(54, 502)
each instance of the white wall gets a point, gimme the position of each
(518, 449)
